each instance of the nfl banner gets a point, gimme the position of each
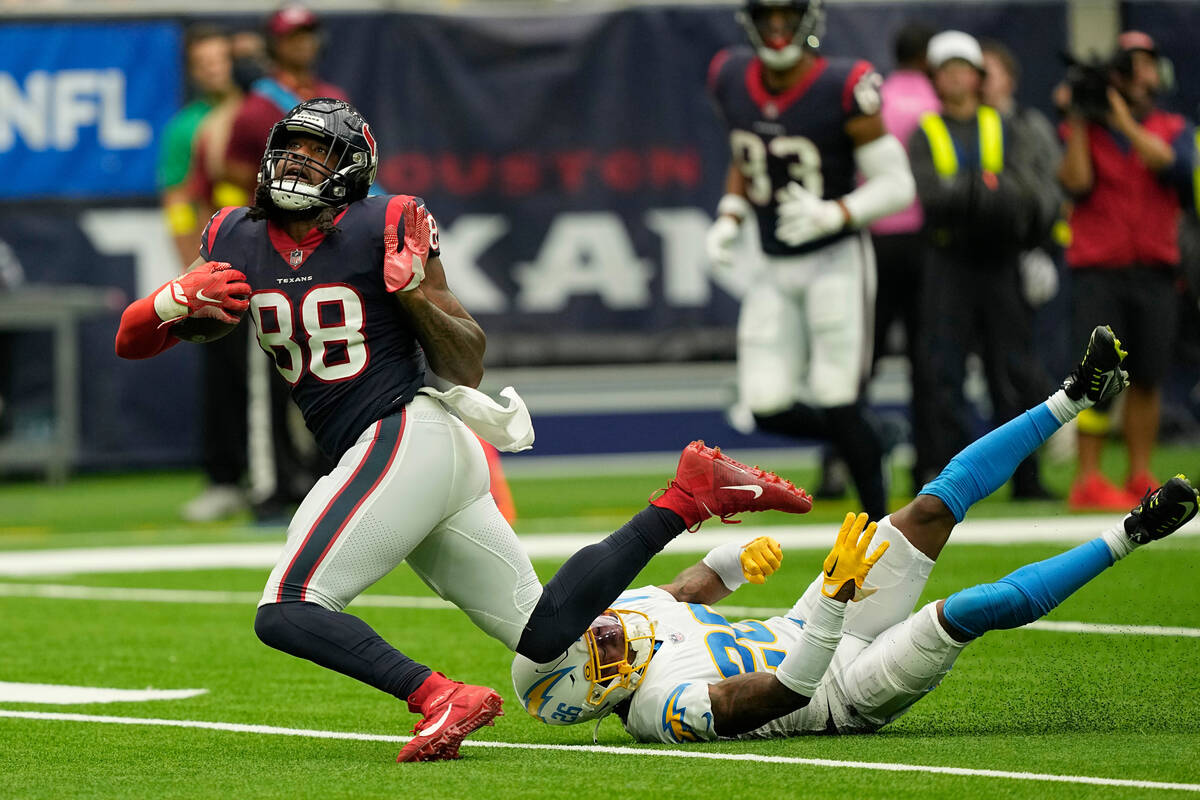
(81, 107)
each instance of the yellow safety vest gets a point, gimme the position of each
(1196, 175)
(941, 145)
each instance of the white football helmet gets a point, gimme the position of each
(599, 670)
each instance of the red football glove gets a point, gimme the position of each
(404, 267)
(214, 290)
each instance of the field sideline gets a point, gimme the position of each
(1099, 703)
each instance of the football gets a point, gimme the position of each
(199, 330)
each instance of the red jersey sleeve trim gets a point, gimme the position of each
(860, 68)
(214, 225)
(714, 68)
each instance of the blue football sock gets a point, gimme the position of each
(1027, 594)
(984, 466)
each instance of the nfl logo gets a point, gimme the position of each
(770, 111)
(296, 258)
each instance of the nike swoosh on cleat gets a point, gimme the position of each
(200, 295)
(429, 730)
(1188, 509)
(832, 567)
(748, 488)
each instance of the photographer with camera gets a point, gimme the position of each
(1124, 165)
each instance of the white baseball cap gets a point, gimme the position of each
(949, 45)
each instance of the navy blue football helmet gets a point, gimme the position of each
(780, 47)
(342, 175)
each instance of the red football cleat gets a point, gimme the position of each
(709, 483)
(449, 717)
(1095, 493)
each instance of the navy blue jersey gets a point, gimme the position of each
(321, 309)
(798, 135)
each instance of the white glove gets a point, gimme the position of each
(1039, 277)
(804, 217)
(719, 241)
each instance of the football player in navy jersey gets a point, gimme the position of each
(348, 296)
(800, 126)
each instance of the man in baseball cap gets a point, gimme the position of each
(950, 45)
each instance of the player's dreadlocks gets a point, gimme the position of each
(264, 208)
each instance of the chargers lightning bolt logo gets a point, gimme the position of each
(538, 694)
(672, 717)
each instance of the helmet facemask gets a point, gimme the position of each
(598, 672)
(619, 645)
(343, 174)
(781, 47)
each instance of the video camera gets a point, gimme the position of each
(1089, 81)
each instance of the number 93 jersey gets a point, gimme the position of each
(322, 312)
(696, 646)
(798, 135)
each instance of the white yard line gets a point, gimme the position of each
(58, 591)
(617, 751)
(75, 561)
(63, 695)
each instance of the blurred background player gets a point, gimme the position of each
(799, 126)
(907, 93)
(677, 671)
(974, 178)
(1125, 163)
(363, 315)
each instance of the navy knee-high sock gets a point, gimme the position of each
(340, 642)
(591, 580)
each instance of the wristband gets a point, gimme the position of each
(169, 303)
(726, 561)
(734, 205)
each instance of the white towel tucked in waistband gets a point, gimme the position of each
(506, 427)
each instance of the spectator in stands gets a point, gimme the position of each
(210, 75)
(899, 246)
(250, 60)
(189, 173)
(1040, 264)
(293, 44)
(979, 199)
(1124, 165)
(1039, 273)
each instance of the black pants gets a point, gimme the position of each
(900, 264)
(226, 430)
(970, 305)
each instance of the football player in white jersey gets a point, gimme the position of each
(677, 671)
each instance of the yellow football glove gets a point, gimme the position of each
(848, 560)
(760, 558)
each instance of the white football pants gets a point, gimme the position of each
(887, 660)
(414, 488)
(805, 331)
